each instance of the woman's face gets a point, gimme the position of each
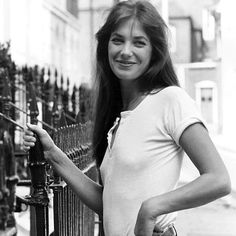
(129, 50)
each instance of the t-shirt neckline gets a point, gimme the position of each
(126, 113)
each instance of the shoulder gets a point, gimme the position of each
(171, 94)
(176, 101)
(174, 91)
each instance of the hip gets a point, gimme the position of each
(168, 231)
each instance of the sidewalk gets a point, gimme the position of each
(227, 149)
(213, 219)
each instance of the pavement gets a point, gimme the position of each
(213, 219)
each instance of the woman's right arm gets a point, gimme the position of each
(89, 192)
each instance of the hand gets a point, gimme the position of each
(145, 223)
(29, 138)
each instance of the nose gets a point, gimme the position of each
(126, 51)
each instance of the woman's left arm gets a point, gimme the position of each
(213, 182)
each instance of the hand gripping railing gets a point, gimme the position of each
(71, 217)
(37, 165)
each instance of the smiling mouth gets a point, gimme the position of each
(125, 63)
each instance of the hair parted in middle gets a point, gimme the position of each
(160, 73)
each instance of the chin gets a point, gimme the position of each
(126, 78)
(122, 76)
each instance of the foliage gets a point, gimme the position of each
(6, 62)
(5, 57)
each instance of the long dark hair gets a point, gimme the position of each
(160, 73)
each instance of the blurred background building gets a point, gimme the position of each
(43, 32)
(196, 37)
(61, 35)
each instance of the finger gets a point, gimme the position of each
(28, 132)
(25, 149)
(158, 229)
(28, 144)
(28, 138)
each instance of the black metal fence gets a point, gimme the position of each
(28, 95)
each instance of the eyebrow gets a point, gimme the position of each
(136, 37)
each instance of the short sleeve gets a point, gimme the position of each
(181, 111)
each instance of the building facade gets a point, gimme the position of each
(195, 28)
(44, 33)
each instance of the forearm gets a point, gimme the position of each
(206, 188)
(88, 191)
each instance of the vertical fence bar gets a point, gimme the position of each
(3, 188)
(58, 211)
(37, 164)
(10, 162)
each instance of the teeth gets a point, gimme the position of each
(125, 62)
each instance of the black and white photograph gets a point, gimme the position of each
(117, 118)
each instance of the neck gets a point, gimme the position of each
(130, 95)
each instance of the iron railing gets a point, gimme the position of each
(70, 215)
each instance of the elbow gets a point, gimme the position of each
(227, 188)
(223, 185)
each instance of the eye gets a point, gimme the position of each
(116, 41)
(139, 43)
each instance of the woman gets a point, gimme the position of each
(144, 123)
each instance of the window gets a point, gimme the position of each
(208, 21)
(207, 100)
(172, 39)
(207, 104)
(72, 7)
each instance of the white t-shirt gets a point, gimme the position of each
(145, 158)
